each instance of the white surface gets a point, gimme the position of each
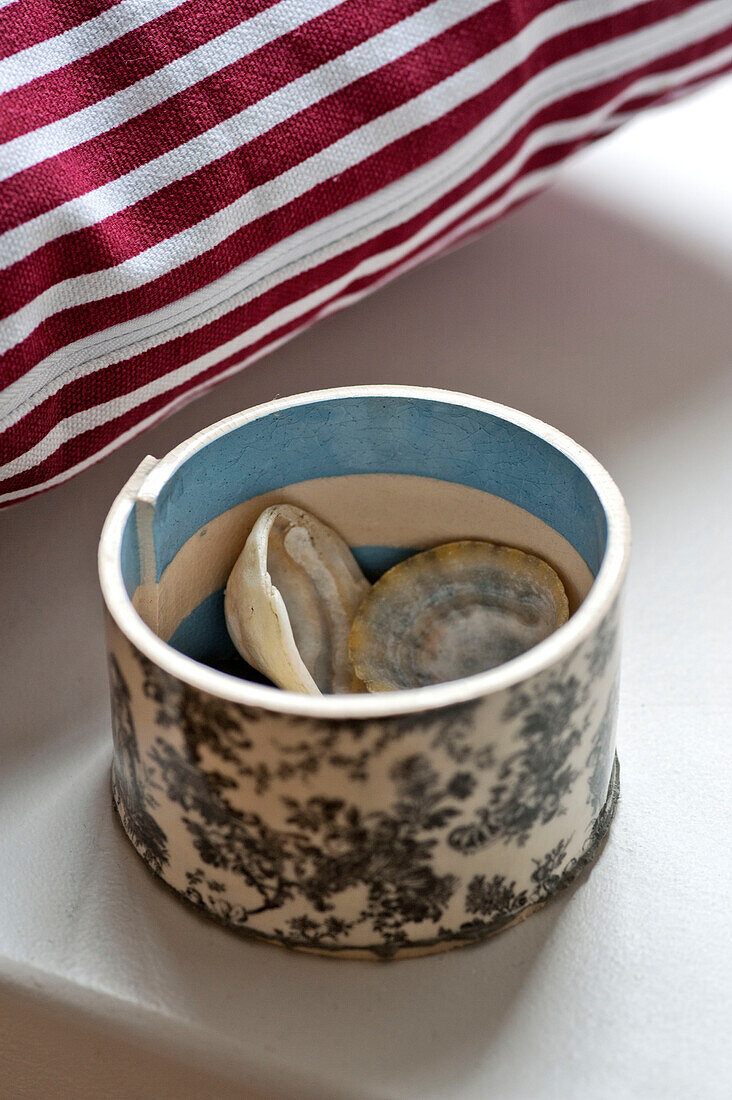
(605, 308)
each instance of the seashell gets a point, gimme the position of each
(290, 600)
(454, 611)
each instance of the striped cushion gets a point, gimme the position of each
(185, 184)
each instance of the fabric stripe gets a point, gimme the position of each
(709, 69)
(25, 23)
(435, 242)
(125, 375)
(49, 54)
(232, 155)
(188, 185)
(87, 316)
(119, 64)
(279, 103)
(100, 436)
(188, 96)
(484, 142)
(208, 144)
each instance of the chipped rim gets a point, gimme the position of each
(603, 592)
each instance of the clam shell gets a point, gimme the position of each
(454, 611)
(290, 600)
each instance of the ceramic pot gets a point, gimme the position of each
(363, 825)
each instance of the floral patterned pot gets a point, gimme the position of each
(365, 825)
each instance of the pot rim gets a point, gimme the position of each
(149, 479)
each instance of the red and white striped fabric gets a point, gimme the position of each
(185, 184)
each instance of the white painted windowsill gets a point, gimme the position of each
(605, 308)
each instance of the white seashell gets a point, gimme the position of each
(290, 600)
(454, 611)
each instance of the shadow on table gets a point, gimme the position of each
(416, 1027)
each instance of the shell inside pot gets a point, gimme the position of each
(299, 609)
(290, 601)
(454, 611)
(391, 475)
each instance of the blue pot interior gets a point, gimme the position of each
(358, 435)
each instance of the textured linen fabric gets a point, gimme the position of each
(185, 184)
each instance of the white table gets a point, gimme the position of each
(605, 308)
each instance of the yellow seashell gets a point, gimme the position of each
(454, 611)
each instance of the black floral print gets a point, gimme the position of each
(329, 847)
(494, 896)
(602, 750)
(321, 848)
(341, 744)
(604, 644)
(131, 792)
(534, 781)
